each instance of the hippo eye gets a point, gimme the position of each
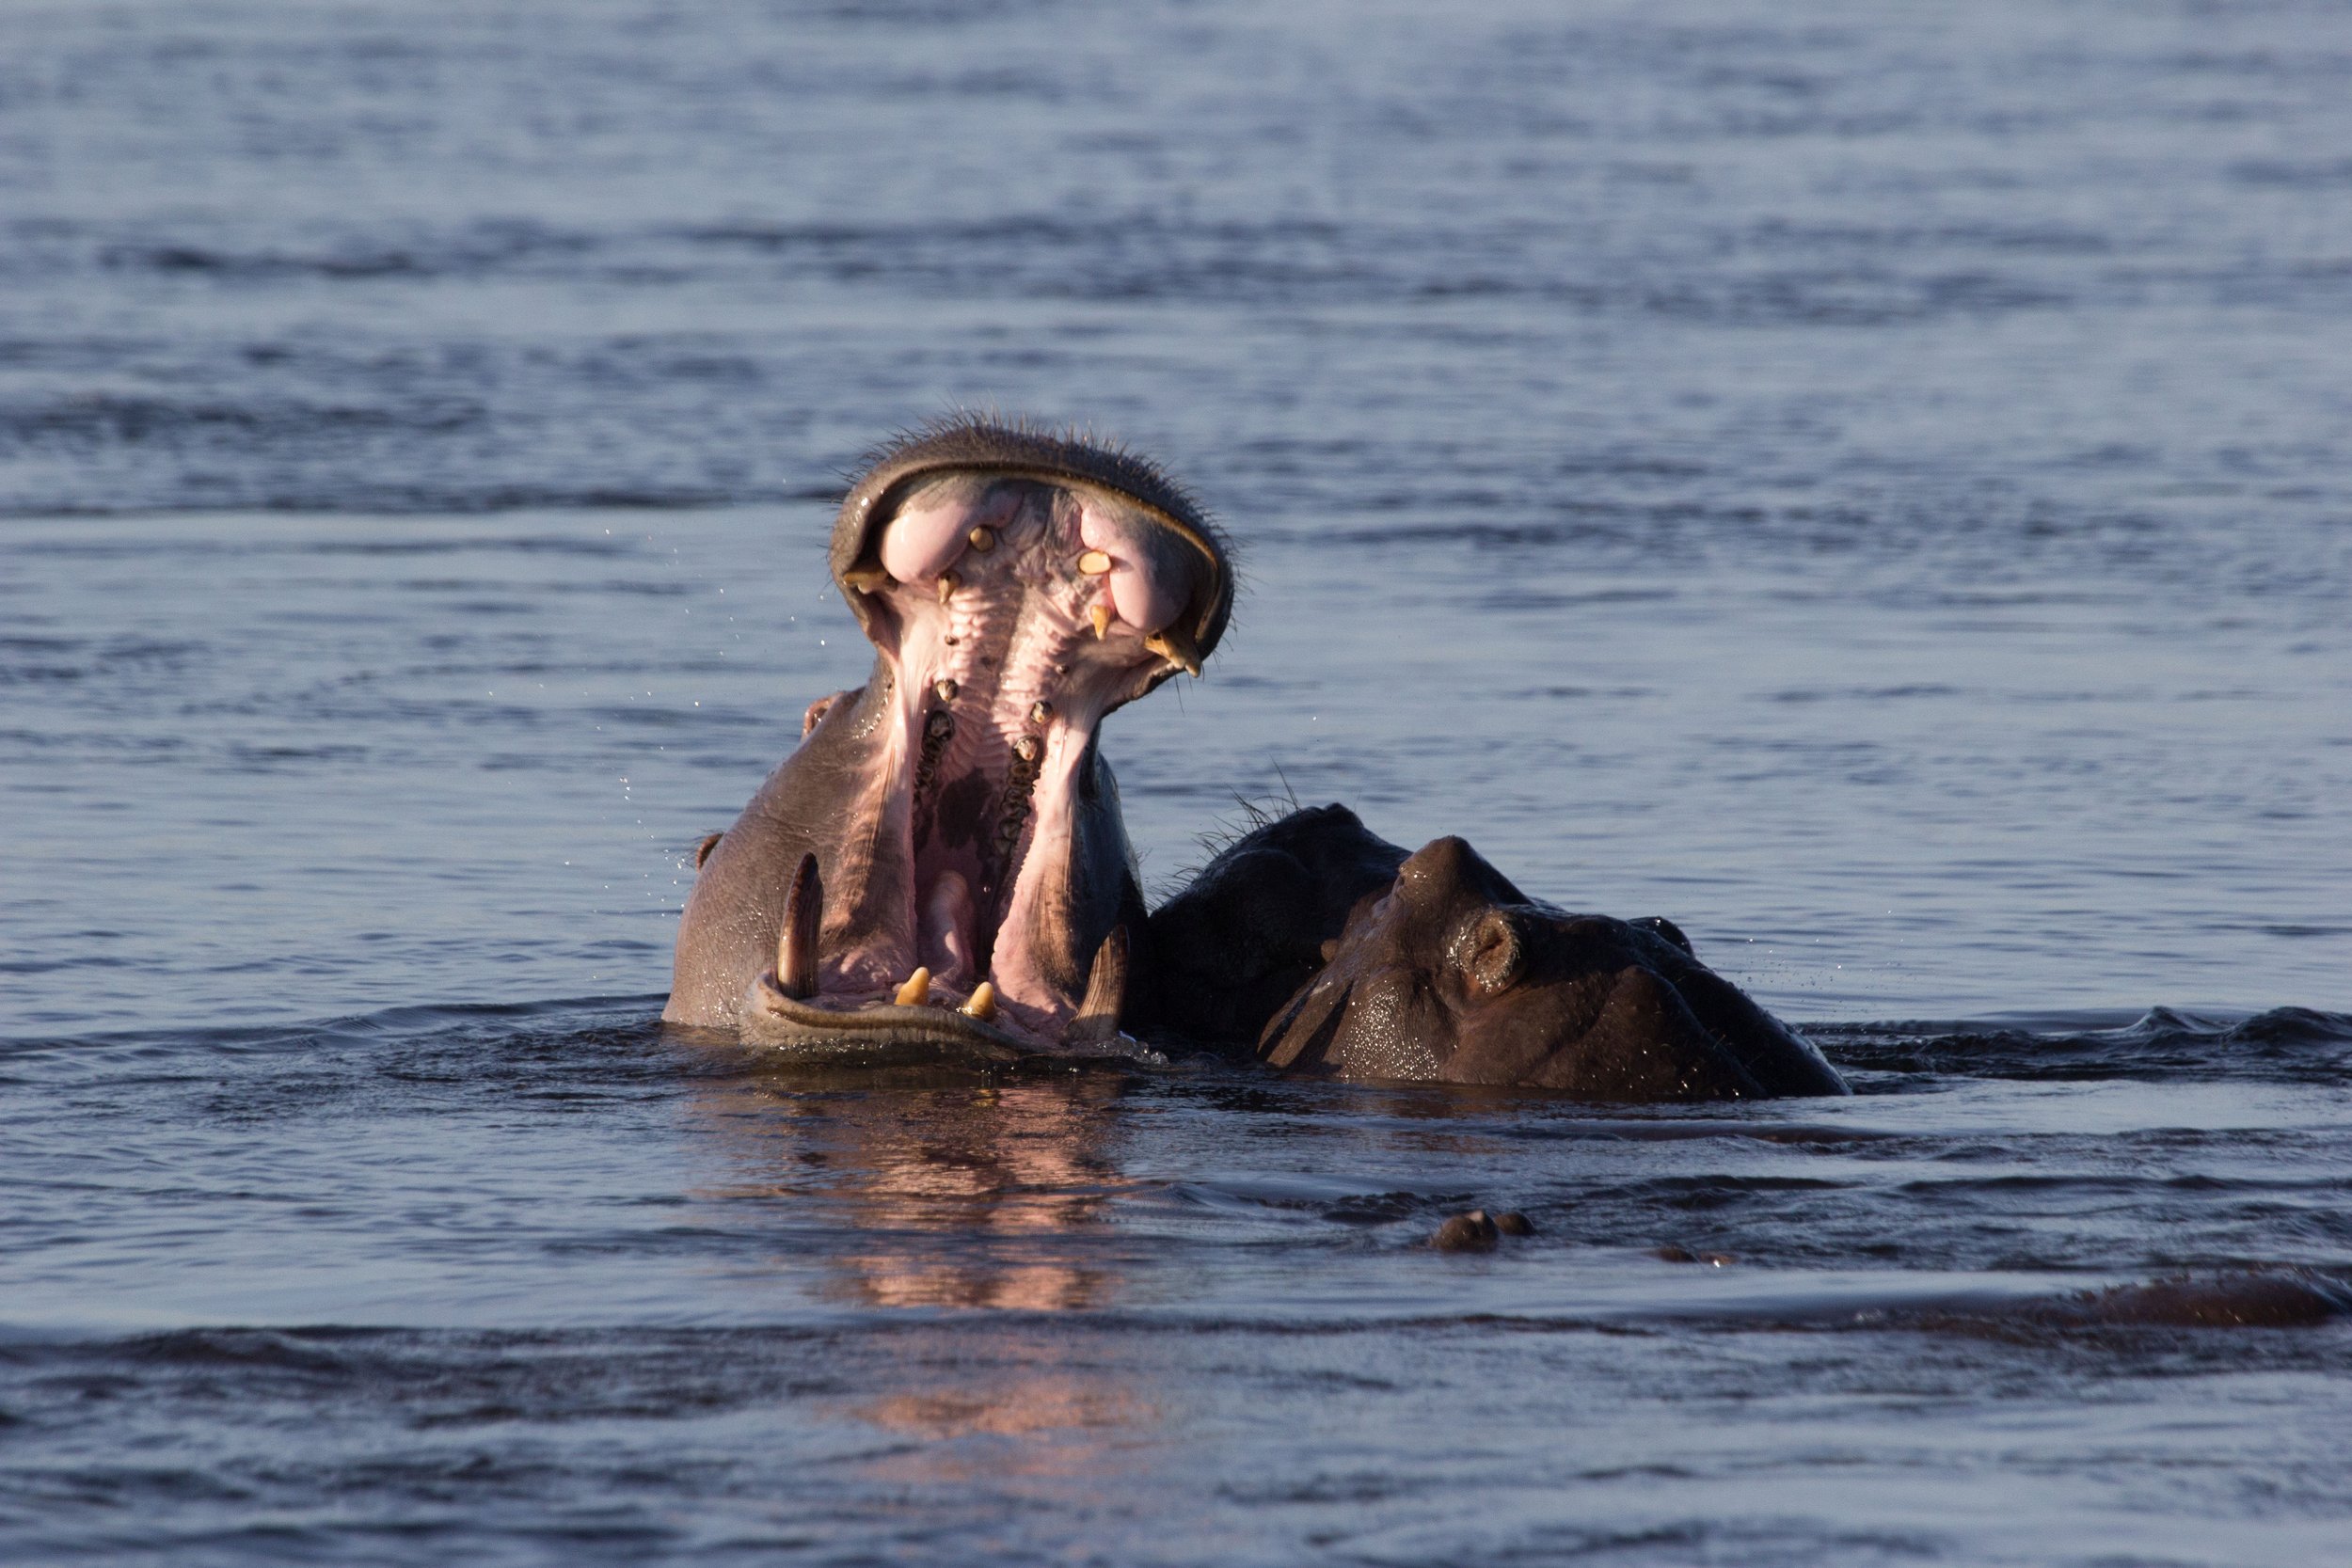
(1490, 953)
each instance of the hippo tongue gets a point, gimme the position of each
(1014, 612)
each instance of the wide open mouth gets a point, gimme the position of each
(1015, 604)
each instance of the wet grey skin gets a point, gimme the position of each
(940, 869)
(1324, 949)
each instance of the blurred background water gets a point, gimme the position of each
(1869, 483)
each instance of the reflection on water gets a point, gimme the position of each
(1022, 1411)
(948, 1196)
(961, 1196)
(642, 1292)
(1034, 1398)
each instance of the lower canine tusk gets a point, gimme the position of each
(917, 989)
(796, 940)
(1106, 991)
(983, 1003)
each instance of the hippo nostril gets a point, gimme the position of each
(1436, 865)
(1446, 872)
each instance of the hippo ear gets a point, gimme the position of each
(1490, 953)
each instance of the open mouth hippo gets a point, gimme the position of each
(1337, 953)
(940, 871)
(941, 867)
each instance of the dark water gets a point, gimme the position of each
(1873, 485)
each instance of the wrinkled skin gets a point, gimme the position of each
(1441, 970)
(941, 865)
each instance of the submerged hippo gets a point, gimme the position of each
(1330, 950)
(941, 865)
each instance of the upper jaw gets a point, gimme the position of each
(1079, 467)
(1018, 588)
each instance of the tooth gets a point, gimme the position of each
(1177, 648)
(1025, 748)
(948, 583)
(981, 539)
(866, 580)
(917, 989)
(983, 1003)
(1107, 991)
(947, 688)
(796, 940)
(1040, 712)
(1094, 563)
(1101, 616)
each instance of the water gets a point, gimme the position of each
(1870, 486)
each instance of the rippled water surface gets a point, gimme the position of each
(1873, 485)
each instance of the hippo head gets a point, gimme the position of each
(942, 863)
(1450, 972)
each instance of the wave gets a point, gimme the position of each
(2291, 1044)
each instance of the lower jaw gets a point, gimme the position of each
(844, 1031)
(877, 1031)
(921, 1020)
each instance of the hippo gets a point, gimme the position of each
(1321, 948)
(940, 872)
(941, 867)
(1255, 924)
